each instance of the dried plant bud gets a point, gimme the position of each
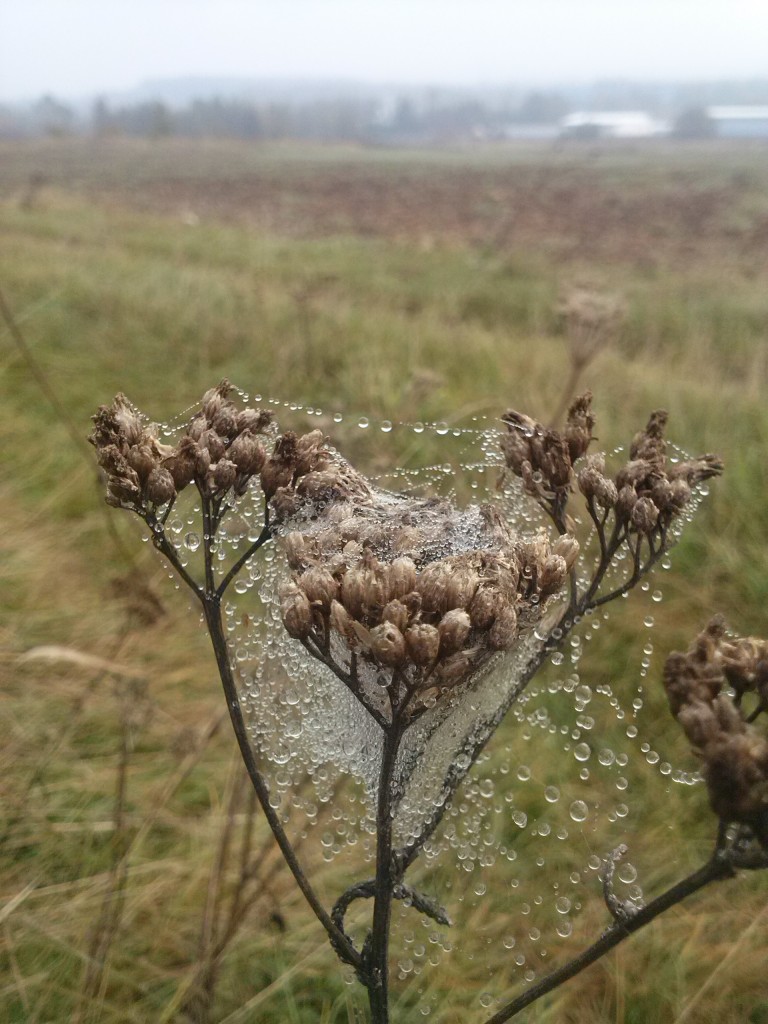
(143, 459)
(625, 502)
(274, 475)
(396, 613)
(197, 427)
(423, 643)
(213, 444)
(160, 487)
(342, 621)
(248, 454)
(353, 586)
(127, 419)
(568, 549)
(578, 427)
(295, 548)
(223, 475)
(502, 633)
(311, 452)
(202, 461)
(453, 628)
(388, 645)
(319, 586)
(225, 421)
(412, 603)
(124, 488)
(461, 586)
(214, 399)
(401, 577)
(636, 474)
(181, 464)
(649, 445)
(297, 614)
(432, 584)
(254, 420)
(482, 608)
(695, 470)
(644, 515)
(552, 576)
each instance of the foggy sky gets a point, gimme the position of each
(74, 48)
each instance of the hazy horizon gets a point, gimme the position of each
(80, 48)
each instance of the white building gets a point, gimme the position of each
(746, 122)
(612, 124)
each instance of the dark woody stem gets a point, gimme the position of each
(376, 951)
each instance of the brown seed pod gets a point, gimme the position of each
(214, 444)
(225, 421)
(319, 586)
(432, 584)
(396, 613)
(248, 454)
(142, 459)
(504, 629)
(568, 549)
(342, 621)
(295, 549)
(224, 474)
(297, 614)
(461, 586)
(423, 643)
(388, 645)
(482, 607)
(454, 628)
(644, 515)
(352, 592)
(160, 487)
(553, 573)
(402, 576)
(275, 474)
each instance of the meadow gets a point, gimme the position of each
(137, 882)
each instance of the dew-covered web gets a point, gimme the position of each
(516, 857)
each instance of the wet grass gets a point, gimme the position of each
(117, 287)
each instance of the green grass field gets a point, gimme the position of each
(404, 286)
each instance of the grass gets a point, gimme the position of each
(406, 286)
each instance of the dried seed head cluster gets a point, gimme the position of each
(375, 595)
(643, 497)
(542, 457)
(648, 491)
(221, 451)
(706, 688)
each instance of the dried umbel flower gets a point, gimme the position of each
(431, 620)
(718, 725)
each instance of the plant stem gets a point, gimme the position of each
(717, 867)
(378, 951)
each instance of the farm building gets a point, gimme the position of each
(612, 124)
(747, 122)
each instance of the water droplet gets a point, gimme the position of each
(337, 417)
(552, 794)
(579, 810)
(657, 596)
(418, 428)
(363, 422)
(385, 426)
(192, 542)
(582, 751)
(562, 905)
(441, 428)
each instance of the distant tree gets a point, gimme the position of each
(542, 108)
(694, 123)
(52, 117)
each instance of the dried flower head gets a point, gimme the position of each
(706, 687)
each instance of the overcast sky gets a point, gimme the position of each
(78, 47)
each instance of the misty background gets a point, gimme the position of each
(413, 72)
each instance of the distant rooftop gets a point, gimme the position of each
(743, 113)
